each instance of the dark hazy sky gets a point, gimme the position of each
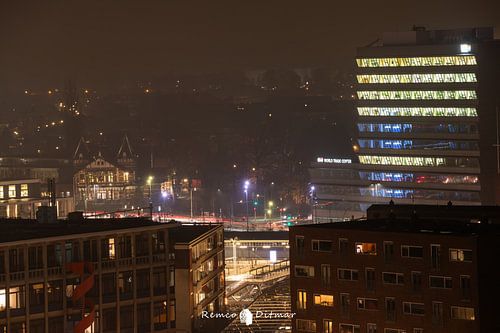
(43, 42)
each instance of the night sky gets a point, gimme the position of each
(103, 42)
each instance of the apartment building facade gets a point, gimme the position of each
(394, 276)
(87, 276)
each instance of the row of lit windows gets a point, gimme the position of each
(12, 191)
(418, 144)
(418, 128)
(417, 78)
(417, 112)
(417, 94)
(417, 61)
(418, 178)
(411, 161)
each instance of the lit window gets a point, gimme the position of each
(24, 190)
(366, 248)
(463, 313)
(417, 61)
(324, 300)
(1, 192)
(461, 255)
(417, 78)
(327, 326)
(416, 309)
(112, 253)
(12, 191)
(416, 94)
(465, 48)
(17, 297)
(417, 112)
(301, 299)
(3, 300)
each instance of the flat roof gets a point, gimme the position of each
(12, 230)
(185, 234)
(426, 226)
(257, 235)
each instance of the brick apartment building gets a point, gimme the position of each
(395, 276)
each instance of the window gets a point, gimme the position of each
(390, 309)
(460, 255)
(326, 275)
(3, 300)
(348, 328)
(12, 191)
(343, 244)
(443, 282)
(416, 281)
(388, 251)
(393, 278)
(327, 326)
(370, 278)
(36, 297)
(125, 285)
(126, 318)
(321, 245)
(323, 300)
(347, 274)
(55, 294)
(416, 112)
(418, 330)
(435, 256)
(416, 309)
(17, 297)
(394, 330)
(366, 248)
(304, 325)
(345, 301)
(24, 190)
(463, 313)
(371, 328)
(299, 242)
(408, 251)
(160, 315)
(367, 304)
(437, 313)
(2, 195)
(301, 299)
(304, 271)
(465, 286)
(35, 257)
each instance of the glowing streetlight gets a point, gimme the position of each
(245, 186)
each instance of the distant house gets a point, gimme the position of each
(102, 184)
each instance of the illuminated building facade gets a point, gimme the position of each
(396, 275)
(426, 125)
(101, 185)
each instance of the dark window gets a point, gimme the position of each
(159, 281)
(55, 295)
(321, 245)
(347, 274)
(126, 317)
(444, 282)
(142, 277)
(412, 251)
(125, 246)
(143, 317)
(109, 320)
(108, 287)
(17, 328)
(388, 251)
(37, 326)
(370, 279)
(36, 296)
(344, 303)
(56, 324)
(437, 313)
(343, 244)
(158, 239)
(299, 241)
(2, 262)
(416, 280)
(465, 286)
(16, 260)
(390, 309)
(435, 256)
(35, 257)
(126, 284)
(141, 245)
(326, 275)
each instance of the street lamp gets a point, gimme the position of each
(247, 184)
(149, 182)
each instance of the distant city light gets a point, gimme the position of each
(465, 48)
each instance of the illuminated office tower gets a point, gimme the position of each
(427, 124)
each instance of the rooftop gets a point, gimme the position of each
(457, 228)
(12, 230)
(257, 235)
(185, 234)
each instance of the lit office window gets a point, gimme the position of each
(402, 160)
(418, 61)
(416, 94)
(24, 190)
(2, 195)
(12, 191)
(463, 313)
(417, 78)
(323, 300)
(417, 112)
